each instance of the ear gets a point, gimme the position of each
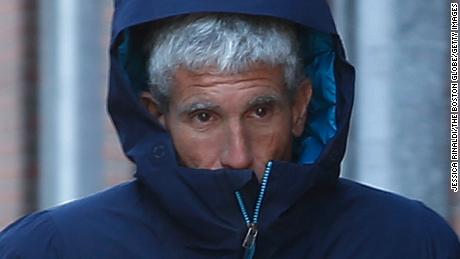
(153, 107)
(299, 107)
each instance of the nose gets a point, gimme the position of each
(236, 153)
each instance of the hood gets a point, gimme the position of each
(194, 196)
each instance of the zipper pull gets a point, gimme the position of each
(251, 236)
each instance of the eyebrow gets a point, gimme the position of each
(196, 106)
(264, 100)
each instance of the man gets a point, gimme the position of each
(236, 116)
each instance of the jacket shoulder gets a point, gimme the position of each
(403, 224)
(54, 232)
(32, 236)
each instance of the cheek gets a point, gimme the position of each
(272, 141)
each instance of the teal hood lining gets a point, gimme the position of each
(319, 57)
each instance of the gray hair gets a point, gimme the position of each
(231, 43)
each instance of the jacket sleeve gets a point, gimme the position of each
(33, 236)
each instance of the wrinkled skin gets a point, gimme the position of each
(237, 121)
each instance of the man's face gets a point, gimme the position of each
(238, 121)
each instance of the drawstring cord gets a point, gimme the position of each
(249, 242)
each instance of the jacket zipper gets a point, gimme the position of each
(249, 242)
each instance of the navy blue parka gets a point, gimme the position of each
(169, 211)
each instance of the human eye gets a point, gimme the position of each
(202, 117)
(261, 112)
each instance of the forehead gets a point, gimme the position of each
(213, 84)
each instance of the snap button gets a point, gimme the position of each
(159, 151)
